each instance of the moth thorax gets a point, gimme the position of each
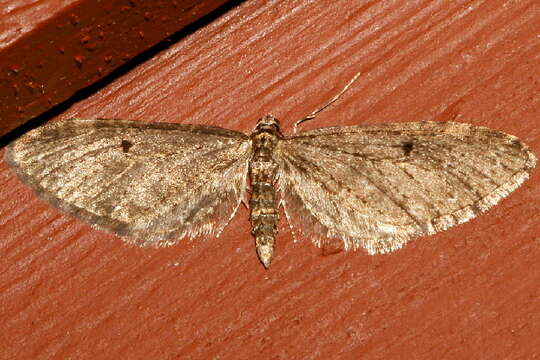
(264, 144)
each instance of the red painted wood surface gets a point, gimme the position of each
(68, 291)
(49, 49)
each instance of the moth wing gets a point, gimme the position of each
(153, 183)
(378, 186)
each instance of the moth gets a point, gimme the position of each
(373, 187)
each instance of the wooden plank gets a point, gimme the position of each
(50, 49)
(68, 291)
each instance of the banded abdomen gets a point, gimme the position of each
(262, 173)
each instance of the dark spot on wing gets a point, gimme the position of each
(126, 145)
(407, 147)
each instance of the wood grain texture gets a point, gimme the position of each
(50, 49)
(68, 291)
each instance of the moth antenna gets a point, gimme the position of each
(312, 114)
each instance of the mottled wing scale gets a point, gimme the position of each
(372, 187)
(378, 186)
(152, 183)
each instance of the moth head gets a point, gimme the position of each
(267, 123)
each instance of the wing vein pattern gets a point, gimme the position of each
(378, 186)
(151, 183)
